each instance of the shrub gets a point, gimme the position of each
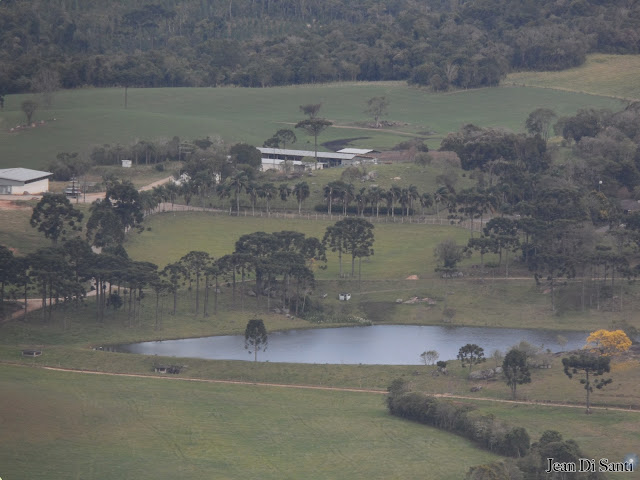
(486, 431)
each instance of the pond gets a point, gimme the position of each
(374, 345)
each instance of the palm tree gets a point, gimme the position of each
(302, 192)
(440, 196)
(284, 191)
(332, 191)
(361, 200)
(395, 193)
(404, 201)
(223, 191)
(413, 196)
(426, 200)
(268, 191)
(376, 194)
(347, 195)
(253, 190)
(173, 190)
(237, 183)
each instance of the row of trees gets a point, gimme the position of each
(282, 263)
(214, 42)
(550, 211)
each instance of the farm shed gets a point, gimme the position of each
(294, 165)
(332, 159)
(18, 181)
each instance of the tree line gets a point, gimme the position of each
(174, 43)
(281, 264)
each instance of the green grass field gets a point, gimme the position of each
(169, 236)
(90, 117)
(612, 75)
(65, 425)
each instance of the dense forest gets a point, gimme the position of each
(440, 43)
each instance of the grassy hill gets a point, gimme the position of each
(611, 75)
(92, 117)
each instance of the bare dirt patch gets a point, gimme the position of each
(13, 205)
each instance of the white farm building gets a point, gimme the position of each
(19, 181)
(275, 158)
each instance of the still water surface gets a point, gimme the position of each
(378, 344)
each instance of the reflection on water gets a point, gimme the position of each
(379, 344)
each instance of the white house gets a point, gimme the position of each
(18, 181)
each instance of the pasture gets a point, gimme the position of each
(66, 425)
(602, 74)
(82, 119)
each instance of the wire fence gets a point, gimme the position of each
(475, 225)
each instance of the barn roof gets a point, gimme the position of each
(305, 153)
(22, 174)
(357, 151)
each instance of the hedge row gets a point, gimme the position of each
(486, 431)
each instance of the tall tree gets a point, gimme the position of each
(590, 366)
(471, 354)
(503, 232)
(356, 238)
(314, 127)
(255, 337)
(245, 154)
(113, 216)
(515, 370)
(195, 263)
(174, 273)
(284, 191)
(46, 83)
(237, 183)
(55, 216)
(301, 191)
(51, 276)
(377, 107)
(539, 122)
(104, 227)
(311, 109)
(29, 107)
(448, 253)
(268, 191)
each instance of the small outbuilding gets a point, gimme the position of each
(20, 181)
(31, 353)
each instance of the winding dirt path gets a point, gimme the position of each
(315, 387)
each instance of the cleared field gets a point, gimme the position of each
(171, 235)
(613, 75)
(90, 117)
(65, 425)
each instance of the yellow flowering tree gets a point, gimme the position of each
(607, 342)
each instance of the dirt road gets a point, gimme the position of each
(316, 387)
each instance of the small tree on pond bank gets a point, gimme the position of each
(471, 354)
(429, 357)
(255, 337)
